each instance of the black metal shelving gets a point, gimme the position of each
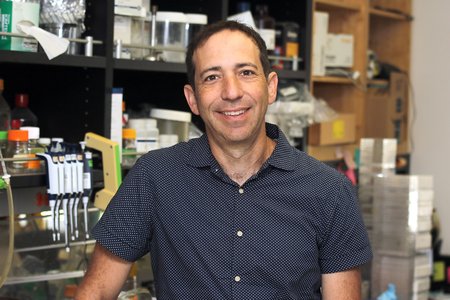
(71, 94)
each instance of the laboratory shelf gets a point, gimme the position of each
(44, 277)
(28, 180)
(40, 58)
(143, 65)
(159, 66)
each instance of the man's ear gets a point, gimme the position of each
(189, 94)
(272, 86)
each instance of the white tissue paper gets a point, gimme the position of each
(52, 44)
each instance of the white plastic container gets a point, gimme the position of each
(147, 134)
(194, 23)
(170, 32)
(172, 122)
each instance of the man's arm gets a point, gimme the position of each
(105, 276)
(344, 285)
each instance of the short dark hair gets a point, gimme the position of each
(214, 28)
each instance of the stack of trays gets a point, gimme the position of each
(402, 209)
(377, 159)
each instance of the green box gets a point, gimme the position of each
(11, 13)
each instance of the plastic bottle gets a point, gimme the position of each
(22, 112)
(266, 26)
(128, 145)
(17, 148)
(34, 147)
(3, 142)
(45, 142)
(5, 111)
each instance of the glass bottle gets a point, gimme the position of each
(17, 149)
(33, 148)
(5, 111)
(242, 6)
(266, 26)
(16, 124)
(22, 112)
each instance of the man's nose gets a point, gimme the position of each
(231, 88)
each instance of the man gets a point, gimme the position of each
(237, 213)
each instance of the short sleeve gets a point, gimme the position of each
(125, 228)
(346, 244)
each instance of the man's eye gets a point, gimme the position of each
(247, 72)
(211, 78)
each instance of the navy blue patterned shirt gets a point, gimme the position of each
(210, 238)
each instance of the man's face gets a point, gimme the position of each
(232, 92)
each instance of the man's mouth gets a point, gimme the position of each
(234, 113)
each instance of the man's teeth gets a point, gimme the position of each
(234, 113)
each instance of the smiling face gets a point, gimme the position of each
(231, 91)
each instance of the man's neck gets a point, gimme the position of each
(240, 162)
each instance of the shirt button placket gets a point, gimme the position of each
(239, 235)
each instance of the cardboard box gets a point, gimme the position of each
(386, 114)
(339, 50)
(339, 131)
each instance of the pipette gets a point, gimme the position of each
(79, 192)
(73, 166)
(87, 184)
(56, 151)
(67, 195)
(52, 186)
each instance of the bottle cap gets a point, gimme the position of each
(3, 135)
(16, 123)
(129, 133)
(21, 100)
(44, 141)
(17, 135)
(33, 132)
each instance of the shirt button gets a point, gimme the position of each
(241, 190)
(239, 233)
(237, 278)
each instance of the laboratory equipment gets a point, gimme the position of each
(112, 174)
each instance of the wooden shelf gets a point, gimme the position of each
(376, 12)
(337, 4)
(329, 153)
(332, 79)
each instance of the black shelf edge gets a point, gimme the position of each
(289, 74)
(40, 58)
(143, 65)
(28, 180)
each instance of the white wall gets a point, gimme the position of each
(430, 75)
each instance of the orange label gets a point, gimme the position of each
(291, 49)
(33, 164)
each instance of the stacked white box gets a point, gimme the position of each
(377, 159)
(402, 209)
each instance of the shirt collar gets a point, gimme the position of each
(200, 154)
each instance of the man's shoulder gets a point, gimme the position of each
(307, 164)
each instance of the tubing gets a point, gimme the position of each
(9, 256)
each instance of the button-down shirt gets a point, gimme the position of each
(210, 238)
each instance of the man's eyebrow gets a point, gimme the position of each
(215, 68)
(238, 66)
(241, 65)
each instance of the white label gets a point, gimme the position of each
(268, 35)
